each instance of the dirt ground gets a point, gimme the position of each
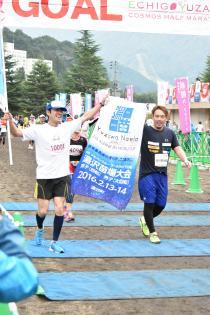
(17, 184)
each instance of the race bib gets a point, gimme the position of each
(161, 160)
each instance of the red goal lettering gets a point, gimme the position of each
(82, 7)
(34, 9)
(88, 10)
(106, 16)
(63, 11)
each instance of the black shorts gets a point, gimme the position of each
(3, 134)
(50, 188)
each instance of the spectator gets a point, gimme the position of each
(3, 131)
(19, 278)
(78, 144)
(198, 88)
(20, 121)
(174, 126)
(42, 119)
(199, 127)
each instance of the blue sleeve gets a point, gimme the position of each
(19, 278)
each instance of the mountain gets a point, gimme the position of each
(44, 47)
(157, 56)
(61, 53)
(126, 76)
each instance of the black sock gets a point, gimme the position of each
(57, 226)
(148, 215)
(157, 210)
(39, 221)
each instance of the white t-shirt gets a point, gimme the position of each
(52, 147)
(199, 128)
(3, 128)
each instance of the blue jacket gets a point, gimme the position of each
(18, 277)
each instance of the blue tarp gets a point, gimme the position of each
(123, 248)
(89, 206)
(125, 220)
(109, 285)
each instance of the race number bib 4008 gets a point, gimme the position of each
(161, 160)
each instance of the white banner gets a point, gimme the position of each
(162, 89)
(129, 93)
(199, 92)
(146, 16)
(75, 104)
(107, 168)
(100, 95)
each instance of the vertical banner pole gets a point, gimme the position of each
(4, 96)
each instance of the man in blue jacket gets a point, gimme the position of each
(19, 278)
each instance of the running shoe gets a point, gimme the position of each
(68, 217)
(154, 238)
(54, 247)
(39, 236)
(144, 227)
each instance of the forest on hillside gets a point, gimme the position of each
(45, 47)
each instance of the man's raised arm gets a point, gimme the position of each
(91, 113)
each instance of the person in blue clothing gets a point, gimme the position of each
(19, 278)
(157, 142)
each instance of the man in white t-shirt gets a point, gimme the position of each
(199, 127)
(52, 157)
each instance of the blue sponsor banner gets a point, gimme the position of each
(62, 98)
(104, 177)
(107, 168)
(88, 102)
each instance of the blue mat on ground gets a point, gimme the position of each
(123, 248)
(32, 206)
(125, 220)
(110, 285)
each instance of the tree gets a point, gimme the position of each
(14, 86)
(150, 97)
(205, 76)
(87, 74)
(41, 86)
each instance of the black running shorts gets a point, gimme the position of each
(50, 188)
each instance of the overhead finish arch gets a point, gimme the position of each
(189, 17)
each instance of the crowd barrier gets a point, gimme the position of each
(196, 146)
